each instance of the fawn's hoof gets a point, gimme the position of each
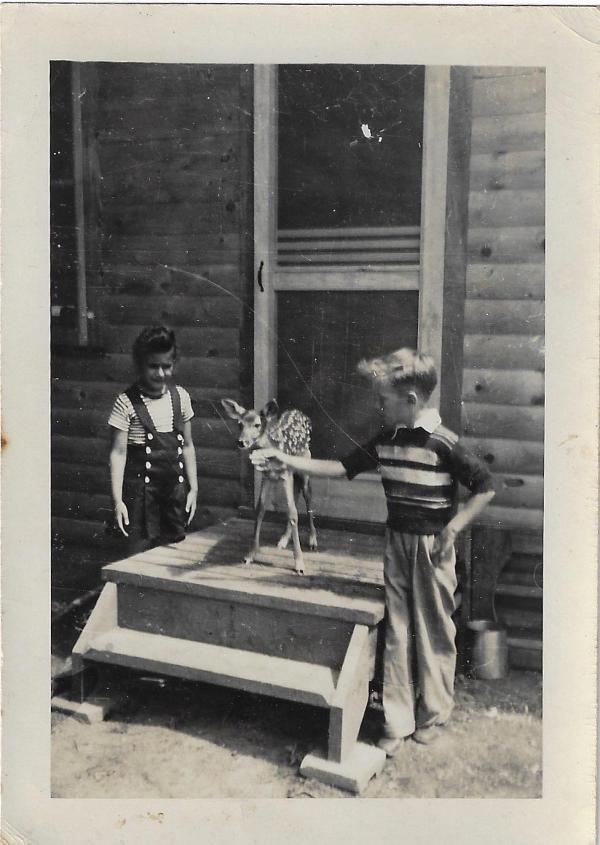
(313, 545)
(299, 569)
(248, 561)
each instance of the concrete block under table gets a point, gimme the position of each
(192, 610)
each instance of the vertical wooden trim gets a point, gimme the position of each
(82, 328)
(265, 224)
(455, 256)
(433, 213)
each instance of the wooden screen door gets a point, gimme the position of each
(349, 204)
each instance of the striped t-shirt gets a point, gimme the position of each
(125, 418)
(420, 471)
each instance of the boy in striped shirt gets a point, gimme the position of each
(421, 464)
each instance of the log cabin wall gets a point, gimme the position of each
(503, 375)
(167, 152)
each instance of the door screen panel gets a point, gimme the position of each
(322, 336)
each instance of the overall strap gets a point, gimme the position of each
(176, 403)
(133, 393)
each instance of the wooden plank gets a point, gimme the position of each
(102, 618)
(255, 586)
(508, 133)
(504, 207)
(519, 591)
(455, 257)
(220, 310)
(206, 401)
(257, 673)
(504, 317)
(223, 492)
(117, 367)
(94, 451)
(518, 490)
(526, 658)
(129, 79)
(491, 71)
(506, 244)
(508, 387)
(509, 518)
(135, 159)
(506, 455)
(528, 543)
(504, 352)
(191, 220)
(262, 630)
(81, 505)
(173, 185)
(503, 421)
(195, 281)
(210, 248)
(518, 618)
(521, 171)
(436, 123)
(351, 696)
(203, 342)
(525, 94)
(506, 281)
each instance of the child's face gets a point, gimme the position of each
(155, 371)
(399, 405)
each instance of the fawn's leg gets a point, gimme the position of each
(307, 493)
(261, 507)
(285, 537)
(288, 483)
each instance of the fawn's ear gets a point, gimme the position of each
(271, 409)
(233, 410)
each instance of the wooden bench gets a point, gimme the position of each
(192, 610)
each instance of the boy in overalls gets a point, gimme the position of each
(152, 458)
(421, 464)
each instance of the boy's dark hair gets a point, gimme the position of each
(404, 367)
(154, 339)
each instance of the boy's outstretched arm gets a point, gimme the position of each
(261, 458)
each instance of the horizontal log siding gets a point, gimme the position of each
(168, 198)
(503, 376)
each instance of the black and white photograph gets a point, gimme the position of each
(298, 390)
(343, 263)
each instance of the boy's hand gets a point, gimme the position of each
(266, 459)
(122, 517)
(190, 505)
(442, 545)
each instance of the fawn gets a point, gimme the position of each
(289, 432)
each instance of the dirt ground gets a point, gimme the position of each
(170, 739)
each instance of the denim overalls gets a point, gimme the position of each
(154, 485)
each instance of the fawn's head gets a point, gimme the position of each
(253, 424)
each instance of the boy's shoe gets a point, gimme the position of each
(428, 736)
(392, 745)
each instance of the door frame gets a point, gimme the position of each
(427, 277)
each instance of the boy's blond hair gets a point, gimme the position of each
(404, 367)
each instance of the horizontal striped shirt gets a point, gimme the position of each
(125, 418)
(420, 471)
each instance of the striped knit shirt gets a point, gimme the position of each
(420, 471)
(124, 417)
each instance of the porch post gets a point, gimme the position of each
(433, 213)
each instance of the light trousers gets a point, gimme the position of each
(420, 650)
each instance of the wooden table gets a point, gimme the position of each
(193, 610)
